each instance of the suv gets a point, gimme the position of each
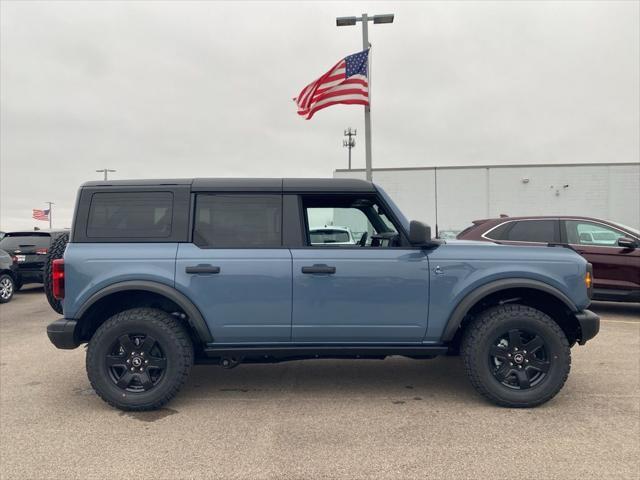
(612, 249)
(160, 274)
(30, 251)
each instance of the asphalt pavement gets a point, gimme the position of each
(397, 418)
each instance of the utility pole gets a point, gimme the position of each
(365, 19)
(105, 170)
(50, 213)
(351, 142)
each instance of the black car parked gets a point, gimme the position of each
(7, 276)
(29, 251)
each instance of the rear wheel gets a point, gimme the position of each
(139, 359)
(516, 356)
(56, 251)
(7, 288)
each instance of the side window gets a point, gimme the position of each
(542, 231)
(238, 221)
(130, 215)
(347, 221)
(587, 233)
(498, 233)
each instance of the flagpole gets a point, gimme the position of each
(367, 108)
(365, 19)
(50, 213)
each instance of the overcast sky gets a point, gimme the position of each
(187, 89)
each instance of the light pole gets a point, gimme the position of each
(105, 170)
(365, 19)
(351, 142)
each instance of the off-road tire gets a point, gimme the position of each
(56, 251)
(489, 325)
(7, 288)
(171, 337)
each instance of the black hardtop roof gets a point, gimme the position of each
(248, 184)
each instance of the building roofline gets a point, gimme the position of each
(511, 165)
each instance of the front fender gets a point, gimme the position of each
(479, 293)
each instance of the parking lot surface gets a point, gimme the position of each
(397, 418)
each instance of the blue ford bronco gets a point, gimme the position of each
(160, 274)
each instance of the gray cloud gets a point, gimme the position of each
(177, 89)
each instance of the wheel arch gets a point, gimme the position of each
(130, 294)
(531, 292)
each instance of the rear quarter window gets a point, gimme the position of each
(130, 215)
(541, 231)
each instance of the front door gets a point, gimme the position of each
(236, 270)
(614, 267)
(354, 281)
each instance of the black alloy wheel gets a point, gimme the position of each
(519, 359)
(136, 363)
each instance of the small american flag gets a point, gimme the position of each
(345, 83)
(41, 214)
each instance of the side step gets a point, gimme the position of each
(275, 353)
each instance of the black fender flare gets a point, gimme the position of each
(196, 320)
(463, 307)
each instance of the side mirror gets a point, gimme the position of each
(419, 233)
(626, 242)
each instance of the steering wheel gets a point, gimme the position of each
(363, 239)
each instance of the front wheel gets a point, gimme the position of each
(139, 359)
(516, 356)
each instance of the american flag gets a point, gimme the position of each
(346, 83)
(41, 214)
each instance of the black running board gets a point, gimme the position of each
(272, 353)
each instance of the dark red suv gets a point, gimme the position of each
(612, 249)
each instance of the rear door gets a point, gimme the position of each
(235, 269)
(614, 267)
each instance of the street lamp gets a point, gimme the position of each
(105, 171)
(365, 19)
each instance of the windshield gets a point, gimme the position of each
(394, 208)
(329, 236)
(625, 227)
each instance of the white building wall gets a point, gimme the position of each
(608, 191)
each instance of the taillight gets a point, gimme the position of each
(57, 278)
(41, 251)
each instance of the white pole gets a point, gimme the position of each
(367, 108)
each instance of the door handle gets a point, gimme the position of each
(319, 268)
(202, 268)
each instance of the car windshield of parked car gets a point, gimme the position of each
(587, 233)
(326, 235)
(633, 231)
